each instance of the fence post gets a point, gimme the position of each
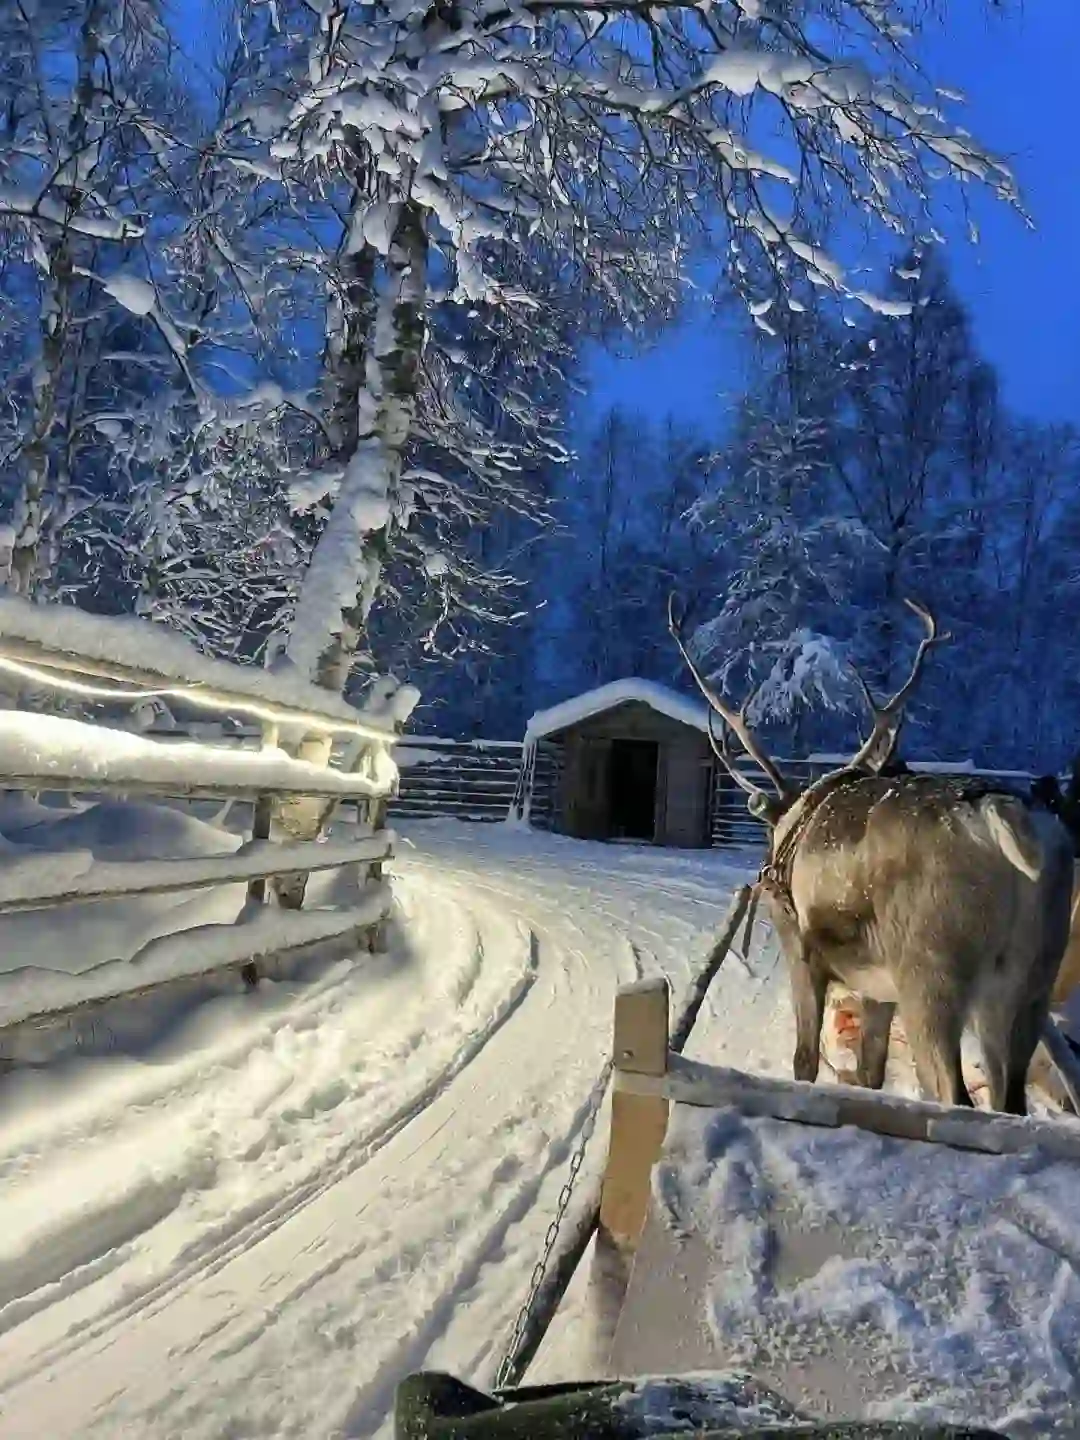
(261, 822)
(638, 1122)
(377, 812)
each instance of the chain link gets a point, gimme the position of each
(505, 1373)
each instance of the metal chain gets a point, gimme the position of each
(506, 1369)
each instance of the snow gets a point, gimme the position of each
(45, 207)
(942, 1278)
(35, 991)
(46, 746)
(256, 1221)
(607, 697)
(132, 292)
(45, 845)
(143, 645)
(125, 942)
(411, 755)
(254, 1218)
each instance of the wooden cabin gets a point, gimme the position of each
(634, 764)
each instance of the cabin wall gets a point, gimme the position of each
(684, 776)
(686, 785)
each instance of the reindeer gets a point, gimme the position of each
(946, 897)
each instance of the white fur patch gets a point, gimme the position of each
(1026, 858)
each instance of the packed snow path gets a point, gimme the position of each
(257, 1226)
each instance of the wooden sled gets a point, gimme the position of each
(823, 1188)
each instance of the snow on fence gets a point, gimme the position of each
(57, 647)
(735, 827)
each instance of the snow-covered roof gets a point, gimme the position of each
(619, 692)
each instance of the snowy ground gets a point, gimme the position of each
(863, 1275)
(254, 1220)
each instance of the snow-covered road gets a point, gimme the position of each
(260, 1225)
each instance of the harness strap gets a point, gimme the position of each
(751, 916)
(775, 874)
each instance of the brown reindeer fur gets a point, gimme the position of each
(933, 895)
(1068, 976)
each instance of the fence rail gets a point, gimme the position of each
(734, 826)
(468, 780)
(46, 646)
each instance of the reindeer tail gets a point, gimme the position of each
(1012, 832)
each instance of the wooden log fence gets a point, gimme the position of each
(44, 645)
(256, 860)
(473, 780)
(733, 826)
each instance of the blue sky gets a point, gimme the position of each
(1020, 72)
(1019, 67)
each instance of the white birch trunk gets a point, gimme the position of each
(342, 580)
(343, 577)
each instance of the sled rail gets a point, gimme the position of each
(837, 1179)
(649, 1078)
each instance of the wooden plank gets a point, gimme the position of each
(269, 934)
(462, 747)
(255, 861)
(638, 1121)
(503, 792)
(58, 782)
(689, 1083)
(83, 1009)
(436, 777)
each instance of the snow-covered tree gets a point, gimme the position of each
(74, 135)
(486, 146)
(786, 563)
(914, 441)
(1027, 658)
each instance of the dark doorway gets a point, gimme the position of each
(632, 789)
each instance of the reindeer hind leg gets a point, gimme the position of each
(873, 1053)
(1009, 1020)
(808, 988)
(1008, 1031)
(1015, 999)
(933, 1018)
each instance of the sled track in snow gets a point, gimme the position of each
(403, 1230)
(215, 1254)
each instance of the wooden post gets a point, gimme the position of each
(638, 1122)
(261, 822)
(377, 815)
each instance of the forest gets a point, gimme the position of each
(293, 301)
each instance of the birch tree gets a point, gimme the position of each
(600, 141)
(70, 123)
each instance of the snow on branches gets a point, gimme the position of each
(450, 192)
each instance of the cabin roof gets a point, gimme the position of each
(659, 698)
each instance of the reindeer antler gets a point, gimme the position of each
(734, 720)
(721, 748)
(888, 718)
